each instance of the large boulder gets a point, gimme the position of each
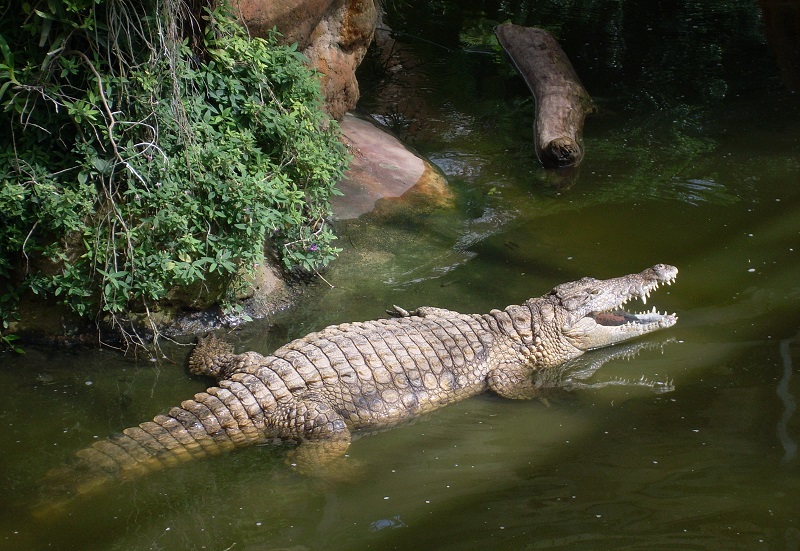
(333, 34)
(385, 175)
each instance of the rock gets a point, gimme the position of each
(185, 311)
(265, 292)
(333, 34)
(382, 168)
(294, 19)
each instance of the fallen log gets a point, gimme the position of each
(562, 102)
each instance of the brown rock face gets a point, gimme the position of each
(333, 35)
(358, 25)
(294, 19)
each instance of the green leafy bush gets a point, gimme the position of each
(151, 149)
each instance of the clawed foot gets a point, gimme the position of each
(421, 312)
(397, 312)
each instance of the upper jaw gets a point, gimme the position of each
(641, 286)
(619, 291)
(650, 280)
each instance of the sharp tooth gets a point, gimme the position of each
(644, 298)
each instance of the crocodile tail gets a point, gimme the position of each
(217, 420)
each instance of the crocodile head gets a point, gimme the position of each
(591, 314)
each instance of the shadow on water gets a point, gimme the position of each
(693, 160)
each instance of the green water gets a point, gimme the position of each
(710, 186)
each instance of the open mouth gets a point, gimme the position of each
(618, 317)
(621, 317)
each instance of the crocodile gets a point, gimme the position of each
(321, 389)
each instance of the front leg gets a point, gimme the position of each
(323, 436)
(513, 380)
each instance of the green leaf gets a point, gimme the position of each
(103, 166)
(8, 55)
